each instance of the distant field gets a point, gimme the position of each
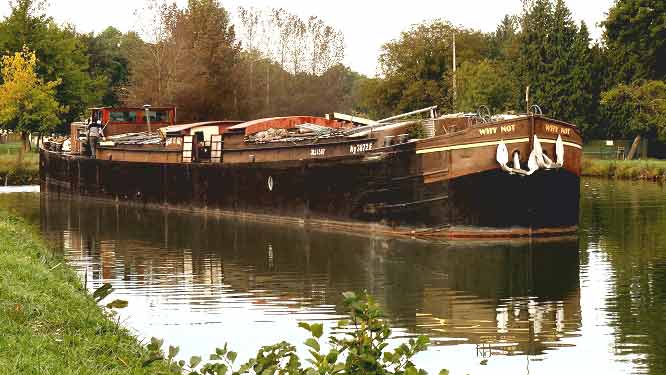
(648, 169)
(13, 173)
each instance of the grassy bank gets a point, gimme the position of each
(14, 173)
(650, 169)
(48, 323)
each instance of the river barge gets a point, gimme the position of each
(460, 175)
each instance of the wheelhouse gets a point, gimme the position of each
(120, 120)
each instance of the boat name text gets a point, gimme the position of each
(557, 130)
(363, 147)
(493, 130)
(317, 151)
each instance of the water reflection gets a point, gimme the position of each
(199, 281)
(624, 224)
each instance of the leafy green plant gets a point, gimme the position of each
(361, 350)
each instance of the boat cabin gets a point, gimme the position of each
(121, 120)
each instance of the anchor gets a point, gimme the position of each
(537, 159)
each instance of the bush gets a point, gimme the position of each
(361, 351)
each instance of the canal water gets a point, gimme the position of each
(591, 303)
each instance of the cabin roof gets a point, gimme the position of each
(183, 127)
(132, 108)
(255, 126)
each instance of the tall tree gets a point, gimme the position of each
(27, 102)
(190, 61)
(635, 35)
(61, 55)
(416, 67)
(484, 83)
(637, 109)
(585, 89)
(109, 62)
(555, 61)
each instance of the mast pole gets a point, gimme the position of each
(455, 88)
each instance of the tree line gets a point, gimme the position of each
(611, 88)
(215, 63)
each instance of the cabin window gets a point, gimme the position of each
(122, 116)
(158, 116)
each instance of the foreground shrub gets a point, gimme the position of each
(361, 350)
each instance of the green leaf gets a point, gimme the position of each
(155, 344)
(231, 356)
(173, 351)
(215, 357)
(194, 361)
(117, 304)
(304, 325)
(152, 359)
(312, 343)
(332, 356)
(318, 357)
(317, 330)
(349, 296)
(443, 372)
(102, 292)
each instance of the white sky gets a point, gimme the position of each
(367, 24)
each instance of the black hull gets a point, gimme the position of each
(356, 193)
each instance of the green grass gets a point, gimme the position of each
(14, 173)
(650, 169)
(49, 324)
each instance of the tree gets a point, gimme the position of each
(585, 89)
(191, 61)
(484, 83)
(638, 109)
(109, 63)
(635, 36)
(27, 102)
(556, 62)
(61, 55)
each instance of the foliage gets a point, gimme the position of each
(362, 350)
(417, 67)
(13, 172)
(60, 52)
(27, 103)
(484, 83)
(109, 63)
(637, 109)
(555, 62)
(193, 58)
(635, 35)
(625, 169)
(49, 324)
(291, 65)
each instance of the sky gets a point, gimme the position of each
(366, 24)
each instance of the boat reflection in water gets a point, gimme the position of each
(199, 281)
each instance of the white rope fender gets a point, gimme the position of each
(536, 160)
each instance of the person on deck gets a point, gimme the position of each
(94, 132)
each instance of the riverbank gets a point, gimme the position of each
(13, 173)
(49, 323)
(651, 169)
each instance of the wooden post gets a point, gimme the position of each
(634, 147)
